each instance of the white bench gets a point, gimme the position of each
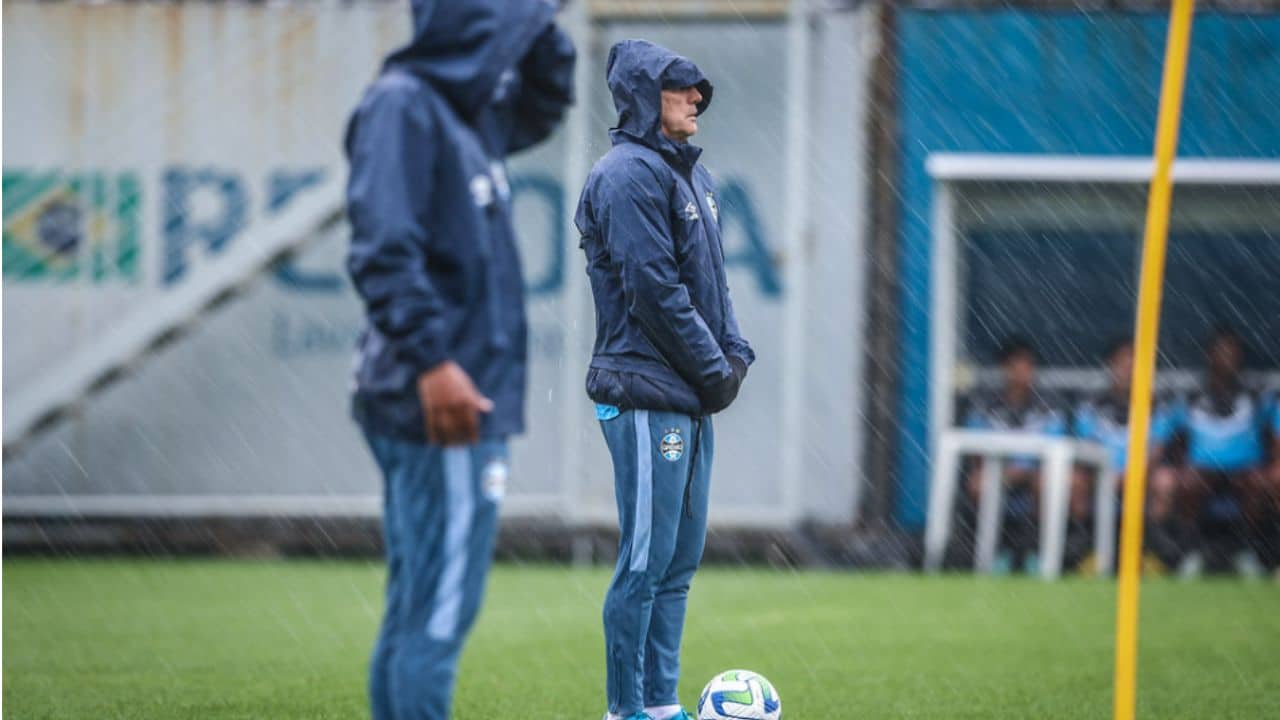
(1057, 456)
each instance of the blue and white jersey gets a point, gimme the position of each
(992, 411)
(1225, 434)
(1273, 406)
(1104, 419)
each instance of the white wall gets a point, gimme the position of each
(254, 403)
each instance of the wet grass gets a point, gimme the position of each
(278, 640)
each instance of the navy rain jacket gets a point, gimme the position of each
(666, 334)
(433, 254)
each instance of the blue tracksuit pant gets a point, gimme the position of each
(439, 522)
(662, 477)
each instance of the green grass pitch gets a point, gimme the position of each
(281, 640)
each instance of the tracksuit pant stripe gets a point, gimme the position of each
(643, 528)
(460, 501)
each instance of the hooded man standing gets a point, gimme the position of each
(440, 373)
(668, 354)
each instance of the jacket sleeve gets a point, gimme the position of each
(391, 146)
(734, 343)
(635, 221)
(546, 89)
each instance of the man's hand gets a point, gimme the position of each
(722, 395)
(451, 405)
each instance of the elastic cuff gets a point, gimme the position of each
(424, 362)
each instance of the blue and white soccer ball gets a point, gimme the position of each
(739, 695)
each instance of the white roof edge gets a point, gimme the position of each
(959, 167)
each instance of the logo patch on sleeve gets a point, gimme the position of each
(672, 447)
(481, 190)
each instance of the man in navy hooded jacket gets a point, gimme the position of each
(668, 354)
(440, 373)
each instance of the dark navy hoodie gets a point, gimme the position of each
(433, 254)
(666, 334)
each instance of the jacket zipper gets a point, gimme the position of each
(494, 217)
(722, 284)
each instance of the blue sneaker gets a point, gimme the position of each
(681, 714)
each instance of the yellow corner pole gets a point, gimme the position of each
(1153, 252)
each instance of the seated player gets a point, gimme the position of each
(1271, 556)
(1225, 430)
(1104, 419)
(1017, 405)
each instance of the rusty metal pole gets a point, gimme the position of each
(883, 369)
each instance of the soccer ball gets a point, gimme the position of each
(739, 695)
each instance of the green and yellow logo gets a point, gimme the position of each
(62, 227)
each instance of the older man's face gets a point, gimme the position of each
(680, 113)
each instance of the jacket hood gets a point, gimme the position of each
(637, 72)
(465, 48)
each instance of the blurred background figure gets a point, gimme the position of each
(441, 365)
(1272, 558)
(1104, 419)
(1018, 405)
(1225, 502)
